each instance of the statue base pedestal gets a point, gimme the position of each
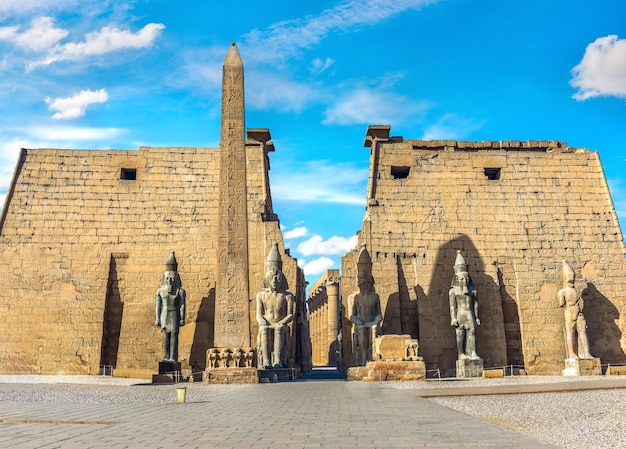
(169, 372)
(277, 375)
(230, 376)
(392, 370)
(582, 367)
(469, 368)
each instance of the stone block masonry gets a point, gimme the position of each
(84, 238)
(514, 209)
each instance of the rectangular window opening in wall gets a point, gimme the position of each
(129, 174)
(400, 172)
(492, 173)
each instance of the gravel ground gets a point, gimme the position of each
(573, 420)
(591, 419)
(101, 390)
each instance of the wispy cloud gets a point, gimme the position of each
(288, 38)
(269, 90)
(71, 133)
(320, 182)
(316, 266)
(76, 105)
(370, 105)
(295, 233)
(452, 127)
(19, 7)
(266, 53)
(41, 35)
(318, 66)
(107, 40)
(335, 245)
(602, 71)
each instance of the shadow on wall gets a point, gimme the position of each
(437, 336)
(112, 319)
(602, 331)
(203, 334)
(400, 307)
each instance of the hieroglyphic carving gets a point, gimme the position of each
(232, 328)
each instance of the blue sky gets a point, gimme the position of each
(121, 73)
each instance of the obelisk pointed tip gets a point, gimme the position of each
(233, 57)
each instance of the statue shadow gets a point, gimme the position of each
(203, 334)
(437, 338)
(400, 308)
(112, 320)
(602, 331)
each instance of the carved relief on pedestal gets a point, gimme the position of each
(230, 358)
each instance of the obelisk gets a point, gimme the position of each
(232, 323)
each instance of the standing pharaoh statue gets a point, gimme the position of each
(464, 310)
(575, 325)
(170, 308)
(274, 310)
(364, 309)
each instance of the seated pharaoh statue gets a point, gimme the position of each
(464, 310)
(364, 310)
(576, 341)
(274, 310)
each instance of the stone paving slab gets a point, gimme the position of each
(285, 415)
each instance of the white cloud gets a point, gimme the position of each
(285, 39)
(333, 246)
(602, 71)
(366, 106)
(318, 66)
(17, 7)
(71, 133)
(319, 182)
(39, 37)
(450, 127)
(295, 233)
(317, 266)
(76, 105)
(107, 40)
(271, 91)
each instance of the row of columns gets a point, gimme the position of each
(324, 323)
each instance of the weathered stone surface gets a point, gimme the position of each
(231, 376)
(582, 367)
(469, 368)
(389, 371)
(514, 209)
(391, 347)
(232, 327)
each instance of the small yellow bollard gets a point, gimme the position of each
(181, 392)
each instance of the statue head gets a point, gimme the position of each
(274, 279)
(462, 281)
(365, 279)
(568, 275)
(171, 279)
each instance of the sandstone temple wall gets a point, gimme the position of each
(83, 252)
(514, 209)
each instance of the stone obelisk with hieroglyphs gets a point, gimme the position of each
(232, 324)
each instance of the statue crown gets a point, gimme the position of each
(364, 261)
(171, 264)
(273, 260)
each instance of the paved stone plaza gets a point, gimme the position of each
(319, 414)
